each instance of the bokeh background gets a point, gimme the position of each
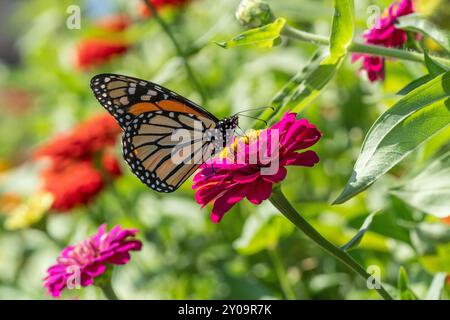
(254, 253)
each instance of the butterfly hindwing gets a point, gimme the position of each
(153, 138)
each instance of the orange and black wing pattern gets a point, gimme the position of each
(164, 148)
(154, 119)
(126, 97)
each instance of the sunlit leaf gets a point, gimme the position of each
(417, 23)
(415, 84)
(386, 224)
(429, 191)
(436, 287)
(434, 67)
(285, 98)
(433, 145)
(438, 262)
(404, 290)
(356, 240)
(262, 231)
(266, 36)
(397, 132)
(308, 83)
(342, 28)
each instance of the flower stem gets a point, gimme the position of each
(281, 274)
(108, 291)
(178, 49)
(282, 204)
(360, 48)
(305, 36)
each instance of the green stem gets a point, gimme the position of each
(281, 274)
(360, 48)
(178, 49)
(282, 204)
(305, 36)
(108, 291)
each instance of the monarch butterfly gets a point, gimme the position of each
(150, 116)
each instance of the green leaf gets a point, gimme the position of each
(415, 84)
(436, 287)
(266, 36)
(386, 224)
(434, 67)
(397, 132)
(340, 38)
(285, 99)
(438, 262)
(417, 23)
(403, 286)
(342, 28)
(307, 84)
(433, 145)
(261, 231)
(356, 240)
(429, 191)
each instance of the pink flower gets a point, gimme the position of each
(224, 183)
(90, 258)
(373, 65)
(385, 34)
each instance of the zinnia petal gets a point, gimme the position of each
(236, 181)
(91, 257)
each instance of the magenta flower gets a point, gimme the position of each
(385, 34)
(90, 258)
(246, 170)
(374, 66)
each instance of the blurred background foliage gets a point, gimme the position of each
(254, 252)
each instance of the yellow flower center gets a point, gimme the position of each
(250, 137)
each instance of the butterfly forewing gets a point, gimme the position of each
(127, 97)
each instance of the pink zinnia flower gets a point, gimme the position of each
(224, 184)
(91, 258)
(385, 34)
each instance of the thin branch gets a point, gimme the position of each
(178, 49)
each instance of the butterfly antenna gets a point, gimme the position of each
(259, 119)
(254, 109)
(244, 134)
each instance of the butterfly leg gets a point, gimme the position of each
(244, 134)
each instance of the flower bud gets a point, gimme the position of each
(254, 13)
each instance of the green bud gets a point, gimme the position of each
(254, 13)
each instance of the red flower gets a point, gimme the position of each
(91, 258)
(114, 23)
(93, 52)
(73, 176)
(111, 165)
(446, 220)
(76, 183)
(249, 167)
(95, 134)
(160, 4)
(385, 34)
